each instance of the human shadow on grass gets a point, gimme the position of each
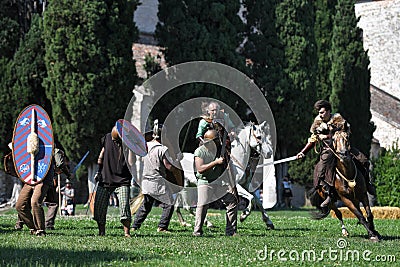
(54, 257)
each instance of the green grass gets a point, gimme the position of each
(74, 242)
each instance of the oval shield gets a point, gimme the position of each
(32, 144)
(132, 137)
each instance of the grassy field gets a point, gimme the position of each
(296, 241)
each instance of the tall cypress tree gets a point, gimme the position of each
(200, 30)
(9, 40)
(191, 30)
(208, 30)
(280, 45)
(23, 76)
(295, 22)
(350, 75)
(30, 69)
(324, 13)
(90, 69)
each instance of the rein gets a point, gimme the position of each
(351, 182)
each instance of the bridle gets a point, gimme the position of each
(343, 135)
(254, 153)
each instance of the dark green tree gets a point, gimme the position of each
(350, 76)
(30, 69)
(386, 173)
(280, 46)
(293, 104)
(207, 30)
(190, 30)
(23, 76)
(152, 64)
(90, 70)
(10, 28)
(324, 13)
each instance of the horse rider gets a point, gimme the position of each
(323, 128)
(215, 118)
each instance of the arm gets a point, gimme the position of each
(202, 167)
(201, 129)
(97, 176)
(70, 196)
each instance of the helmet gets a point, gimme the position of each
(115, 134)
(210, 135)
(157, 128)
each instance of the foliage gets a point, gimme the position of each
(386, 174)
(188, 34)
(6, 117)
(294, 22)
(74, 242)
(302, 171)
(151, 65)
(324, 12)
(22, 80)
(9, 37)
(350, 75)
(90, 69)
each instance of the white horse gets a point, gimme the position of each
(250, 143)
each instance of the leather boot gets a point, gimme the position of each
(370, 187)
(327, 199)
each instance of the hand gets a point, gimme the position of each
(98, 177)
(300, 155)
(219, 160)
(323, 136)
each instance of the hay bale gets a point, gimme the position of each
(378, 212)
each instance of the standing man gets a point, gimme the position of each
(51, 200)
(32, 196)
(209, 168)
(215, 118)
(153, 184)
(113, 175)
(68, 199)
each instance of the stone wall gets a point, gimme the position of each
(380, 21)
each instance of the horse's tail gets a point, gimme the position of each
(316, 201)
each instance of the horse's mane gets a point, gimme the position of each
(340, 123)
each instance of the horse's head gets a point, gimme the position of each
(260, 139)
(341, 145)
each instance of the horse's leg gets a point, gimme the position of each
(370, 217)
(178, 203)
(180, 217)
(357, 212)
(269, 224)
(340, 217)
(243, 193)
